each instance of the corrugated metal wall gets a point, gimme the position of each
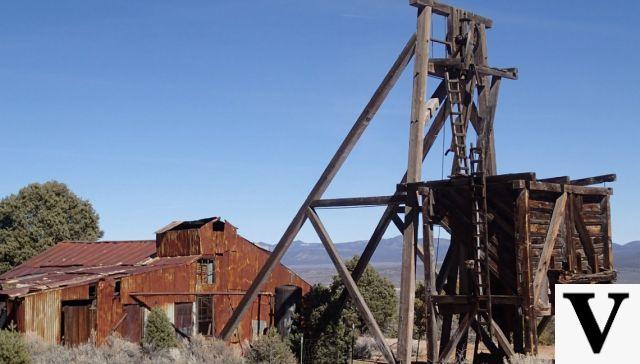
(42, 315)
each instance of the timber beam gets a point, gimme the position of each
(359, 201)
(446, 10)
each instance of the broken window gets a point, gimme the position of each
(205, 272)
(205, 315)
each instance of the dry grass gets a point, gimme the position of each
(119, 351)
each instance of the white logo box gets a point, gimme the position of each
(622, 344)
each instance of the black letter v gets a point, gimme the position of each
(580, 302)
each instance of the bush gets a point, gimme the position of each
(363, 348)
(159, 334)
(13, 348)
(204, 350)
(115, 351)
(270, 349)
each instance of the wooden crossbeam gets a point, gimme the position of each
(359, 201)
(446, 10)
(547, 251)
(351, 286)
(594, 180)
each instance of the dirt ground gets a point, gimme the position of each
(544, 352)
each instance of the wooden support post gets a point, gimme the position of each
(606, 233)
(557, 217)
(429, 260)
(450, 289)
(463, 327)
(523, 246)
(419, 115)
(351, 286)
(321, 185)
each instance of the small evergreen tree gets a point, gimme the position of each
(39, 216)
(270, 349)
(379, 294)
(158, 333)
(12, 348)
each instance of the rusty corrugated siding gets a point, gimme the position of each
(42, 315)
(177, 243)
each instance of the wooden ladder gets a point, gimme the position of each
(458, 126)
(481, 268)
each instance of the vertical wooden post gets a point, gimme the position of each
(414, 174)
(429, 260)
(607, 258)
(523, 245)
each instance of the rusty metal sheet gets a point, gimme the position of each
(79, 254)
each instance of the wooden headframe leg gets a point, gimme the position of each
(321, 185)
(351, 286)
(420, 113)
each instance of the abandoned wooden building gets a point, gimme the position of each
(196, 271)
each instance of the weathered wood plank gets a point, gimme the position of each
(594, 180)
(543, 264)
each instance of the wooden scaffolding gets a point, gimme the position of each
(513, 236)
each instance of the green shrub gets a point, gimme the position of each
(159, 333)
(270, 349)
(12, 348)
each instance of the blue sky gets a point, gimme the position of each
(163, 110)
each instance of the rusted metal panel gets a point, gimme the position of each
(42, 315)
(131, 327)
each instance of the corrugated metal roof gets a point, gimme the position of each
(54, 277)
(86, 254)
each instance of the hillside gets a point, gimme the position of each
(311, 261)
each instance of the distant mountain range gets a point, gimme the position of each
(301, 254)
(312, 262)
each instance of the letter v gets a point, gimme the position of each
(580, 302)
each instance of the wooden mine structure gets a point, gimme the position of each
(513, 236)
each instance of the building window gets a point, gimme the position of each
(206, 269)
(205, 315)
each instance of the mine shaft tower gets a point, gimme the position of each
(512, 236)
